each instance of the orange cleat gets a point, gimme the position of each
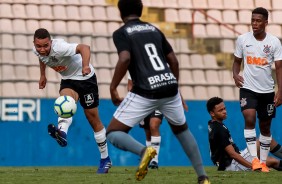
(264, 168)
(256, 166)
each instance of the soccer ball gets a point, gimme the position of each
(65, 106)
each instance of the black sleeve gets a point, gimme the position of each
(223, 136)
(120, 40)
(166, 45)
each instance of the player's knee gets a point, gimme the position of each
(109, 131)
(154, 128)
(178, 129)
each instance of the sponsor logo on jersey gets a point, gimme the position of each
(138, 28)
(159, 80)
(243, 102)
(59, 68)
(256, 61)
(249, 45)
(270, 109)
(89, 99)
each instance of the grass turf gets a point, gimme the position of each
(169, 175)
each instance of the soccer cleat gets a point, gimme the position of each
(256, 166)
(142, 169)
(60, 136)
(264, 168)
(105, 165)
(203, 180)
(153, 165)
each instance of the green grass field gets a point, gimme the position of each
(177, 175)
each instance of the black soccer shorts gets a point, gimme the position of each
(262, 102)
(87, 90)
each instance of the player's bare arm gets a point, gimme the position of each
(120, 71)
(84, 51)
(236, 156)
(185, 106)
(173, 64)
(278, 95)
(43, 79)
(238, 79)
(129, 85)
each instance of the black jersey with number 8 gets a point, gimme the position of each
(149, 70)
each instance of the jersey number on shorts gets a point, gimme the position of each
(153, 56)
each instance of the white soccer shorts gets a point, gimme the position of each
(235, 166)
(134, 108)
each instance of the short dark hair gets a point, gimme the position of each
(262, 11)
(41, 33)
(130, 7)
(212, 102)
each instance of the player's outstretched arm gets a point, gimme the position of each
(236, 156)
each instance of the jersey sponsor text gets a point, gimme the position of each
(159, 80)
(256, 61)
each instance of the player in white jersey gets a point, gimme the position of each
(258, 50)
(79, 81)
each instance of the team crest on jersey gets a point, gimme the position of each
(243, 102)
(53, 59)
(270, 109)
(89, 99)
(266, 49)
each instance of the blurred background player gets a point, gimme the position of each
(259, 50)
(79, 81)
(151, 125)
(224, 152)
(144, 51)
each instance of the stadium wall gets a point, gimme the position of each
(24, 140)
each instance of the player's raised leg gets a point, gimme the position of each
(60, 133)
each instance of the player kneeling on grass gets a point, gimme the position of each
(79, 81)
(224, 152)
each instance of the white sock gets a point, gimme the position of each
(64, 124)
(250, 136)
(155, 143)
(264, 147)
(148, 143)
(100, 138)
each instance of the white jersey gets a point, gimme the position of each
(63, 59)
(258, 57)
